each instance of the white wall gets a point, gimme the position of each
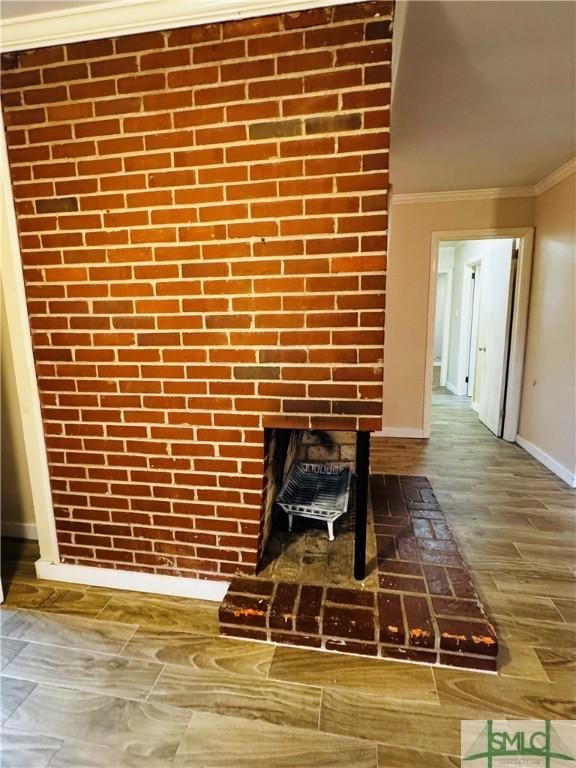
(548, 409)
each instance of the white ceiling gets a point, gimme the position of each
(11, 9)
(485, 94)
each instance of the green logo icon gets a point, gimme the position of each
(517, 743)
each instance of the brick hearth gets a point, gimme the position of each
(426, 607)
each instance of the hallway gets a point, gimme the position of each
(94, 678)
(516, 525)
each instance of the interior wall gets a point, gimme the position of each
(409, 274)
(17, 507)
(548, 414)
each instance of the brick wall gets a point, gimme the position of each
(202, 215)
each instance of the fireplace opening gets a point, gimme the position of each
(308, 509)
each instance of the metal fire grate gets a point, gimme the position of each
(316, 491)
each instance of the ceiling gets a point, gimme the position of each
(11, 9)
(484, 95)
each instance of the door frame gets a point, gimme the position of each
(467, 318)
(446, 323)
(525, 236)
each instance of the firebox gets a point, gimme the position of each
(308, 476)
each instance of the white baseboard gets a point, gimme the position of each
(554, 466)
(475, 406)
(413, 432)
(201, 589)
(452, 387)
(17, 530)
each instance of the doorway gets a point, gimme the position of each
(477, 322)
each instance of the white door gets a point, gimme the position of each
(495, 306)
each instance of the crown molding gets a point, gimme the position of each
(126, 17)
(556, 176)
(488, 194)
(463, 194)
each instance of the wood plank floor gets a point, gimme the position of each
(94, 678)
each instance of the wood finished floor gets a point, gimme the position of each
(94, 678)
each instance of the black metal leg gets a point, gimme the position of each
(362, 471)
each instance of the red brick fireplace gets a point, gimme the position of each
(202, 217)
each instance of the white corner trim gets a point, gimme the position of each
(462, 195)
(556, 177)
(17, 530)
(409, 432)
(560, 470)
(158, 584)
(124, 17)
(17, 335)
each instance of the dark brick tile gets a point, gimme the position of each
(468, 637)
(397, 505)
(462, 584)
(282, 609)
(428, 497)
(308, 611)
(442, 530)
(243, 632)
(403, 520)
(403, 568)
(408, 548)
(442, 558)
(355, 623)
(391, 483)
(465, 661)
(401, 528)
(437, 580)
(349, 646)
(350, 597)
(419, 621)
(412, 494)
(423, 528)
(391, 619)
(414, 481)
(401, 583)
(386, 547)
(292, 638)
(424, 510)
(251, 586)
(248, 610)
(441, 547)
(452, 606)
(408, 654)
